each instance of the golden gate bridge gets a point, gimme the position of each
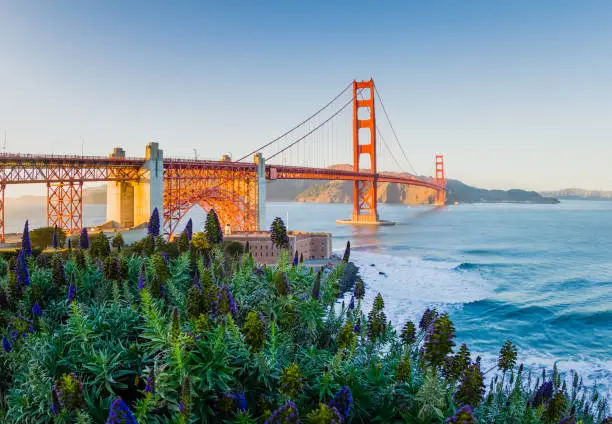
(234, 188)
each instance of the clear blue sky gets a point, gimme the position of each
(514, 93)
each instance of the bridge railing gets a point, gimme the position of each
(52, 156)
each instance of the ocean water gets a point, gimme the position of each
(539, 275)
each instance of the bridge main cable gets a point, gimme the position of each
(298, 125)
(312, 131)
(393, 129)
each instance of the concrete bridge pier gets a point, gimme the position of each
(131, 203)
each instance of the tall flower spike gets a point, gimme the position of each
(189, 229)
(84, 239)
(295, 258)
(226, 302)
(36, 312)
(26, 244)
(408, 333)
(429, 316)
(359, 291)
(347, 252)
(343, 401)
(351, 304)
(54, 242)
(316, 287)
(6, 345)
(71, 293)
(286, 414)
(463, 416)
(120, 413)
(150, 386)
(142, 278)
(153, 225)
(507, 357)
(21, 269)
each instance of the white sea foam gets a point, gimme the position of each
(410, 285)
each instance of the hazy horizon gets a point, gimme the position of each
(515, 94)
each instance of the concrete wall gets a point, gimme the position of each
(131, 203)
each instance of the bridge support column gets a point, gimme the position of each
(65, 205)
(120, 198)
(149, 192)
(261, 191)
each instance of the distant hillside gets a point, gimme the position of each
(463, 193)
(578, 193)
(95, 195)
(342, 192)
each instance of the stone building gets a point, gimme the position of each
(310, 245)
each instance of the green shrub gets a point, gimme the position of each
(190, 340)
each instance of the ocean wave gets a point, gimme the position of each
(470, 266)
(595, 372)
(410, 285)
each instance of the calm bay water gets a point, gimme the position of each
(540, 275)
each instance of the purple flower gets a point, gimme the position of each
(463, 416)
(543, 395)
(120, 413)
(288, 413)
(54, 242)
(189, 229)
(343, 401)
(153, 225)
(71, 293)
(6, 345)
(36, 312)
(240, 401)
(226, 302)
(26, 245)
(21, 269)
(84, 239)
(351, 305)
(150, 386)
(357, 328)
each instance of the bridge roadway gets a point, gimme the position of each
(31, 169)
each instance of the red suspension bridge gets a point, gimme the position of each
(234, 188)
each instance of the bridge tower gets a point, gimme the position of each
(364, 192)
(440, 180)
(365, 210)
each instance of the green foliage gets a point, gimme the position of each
(100, 247)
(471, 389)
(212, 228)
(439, 341)
(196, 340)
(42, 238)
(118, 241)
(254, 331)
(291, 381)
(278, 234)
(507, 357)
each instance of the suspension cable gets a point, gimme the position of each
(393, 129)
(312, 131)
(389, 150)
(298, 125)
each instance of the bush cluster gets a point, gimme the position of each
(198, 332)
